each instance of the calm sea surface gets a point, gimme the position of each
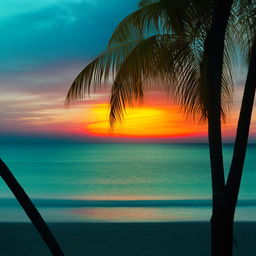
(119, 182)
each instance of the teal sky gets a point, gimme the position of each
(38, 33)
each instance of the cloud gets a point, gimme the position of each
(43, 112)
(45, 44)
(61, 31)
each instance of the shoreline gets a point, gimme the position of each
(123, 239)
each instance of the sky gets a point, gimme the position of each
(45, 44)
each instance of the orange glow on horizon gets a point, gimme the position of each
(143, 121)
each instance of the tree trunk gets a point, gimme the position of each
(222, 225)
(30, 210)
(224, 202)
(243, 128)
(213, 61)
(221, 235)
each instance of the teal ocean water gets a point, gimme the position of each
(119, 182)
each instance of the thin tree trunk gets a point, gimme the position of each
(30, 210)
(222, 225)
(235, 174)
(213, 58)
(222, 236)
(243, 128)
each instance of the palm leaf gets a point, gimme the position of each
(162, 17)
(161, 58)
(102, 69)
(143, 3)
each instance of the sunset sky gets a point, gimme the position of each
(44, 45)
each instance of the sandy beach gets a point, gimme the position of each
(122, 239)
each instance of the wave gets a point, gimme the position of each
(73, 203)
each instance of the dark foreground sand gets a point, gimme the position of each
(90, 239)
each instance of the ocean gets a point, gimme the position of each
(119, 182)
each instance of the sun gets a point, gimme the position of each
(142, 121)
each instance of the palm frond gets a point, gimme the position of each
(101, 69)
(141, 64)
(143, 3)
(244, 26)
(161, 17)
(163, 61)
(140, 24)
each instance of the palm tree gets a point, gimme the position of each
(30, 210)
(187, 45)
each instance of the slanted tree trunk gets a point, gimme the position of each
(213, 57)
(30, 210)
(243, 128)
(222, 225)
(236, 168)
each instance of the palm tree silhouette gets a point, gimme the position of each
(188, 46)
